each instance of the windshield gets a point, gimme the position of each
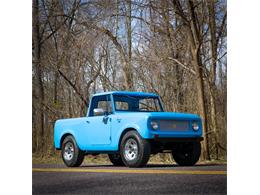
(137, 103)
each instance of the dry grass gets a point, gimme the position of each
(103, 159)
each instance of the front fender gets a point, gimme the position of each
(59, 136)
(140, 125)
(140, 128)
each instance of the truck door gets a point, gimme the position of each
(99, 126)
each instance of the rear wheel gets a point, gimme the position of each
(135, 151)
(187, 154)
(72, 156)
(116, 159)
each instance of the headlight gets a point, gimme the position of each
(154, 125)
(195, 126)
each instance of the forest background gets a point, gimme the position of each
(177, 49)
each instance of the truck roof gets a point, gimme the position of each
(130, 93)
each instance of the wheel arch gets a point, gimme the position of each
(123, 133)
(63, 137)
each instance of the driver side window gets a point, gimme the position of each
(101, 102)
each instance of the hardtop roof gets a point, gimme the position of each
(130, 93)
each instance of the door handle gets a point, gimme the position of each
(105, 119)
(87, 122)
(119, 120)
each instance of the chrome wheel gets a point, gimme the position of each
(68, 151)
(130, 149)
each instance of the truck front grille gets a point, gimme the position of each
(172, 125)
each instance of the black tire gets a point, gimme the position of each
(72, 156)
(187, 154)
(116, 159)
(138, 149)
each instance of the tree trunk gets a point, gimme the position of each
(56, 80)
(174, 55)
(128, 65)
(212, 80)
(38, 73)
(195, 41)
(201, 103)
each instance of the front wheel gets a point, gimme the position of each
(72, 156)
(135, 151)
(187, 154)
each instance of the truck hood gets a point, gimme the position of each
(173, 115)
(164, 115)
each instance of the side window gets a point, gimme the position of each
(125, 103)
(122, 105)
(103, 102)
(105, 105)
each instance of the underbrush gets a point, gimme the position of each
(162, 158)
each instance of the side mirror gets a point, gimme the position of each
(99, 112)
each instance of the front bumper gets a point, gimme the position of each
(178, 139)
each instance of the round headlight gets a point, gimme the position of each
(195, 126)
(154, 125)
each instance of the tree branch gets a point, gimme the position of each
(182, 65)
(74, 87)
(222, 28)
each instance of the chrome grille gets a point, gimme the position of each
(172, 125)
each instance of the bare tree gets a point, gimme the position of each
(39, 90)
(171, 47)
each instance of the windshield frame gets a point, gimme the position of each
(156, 97)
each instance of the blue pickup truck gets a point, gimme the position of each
(129, 126)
